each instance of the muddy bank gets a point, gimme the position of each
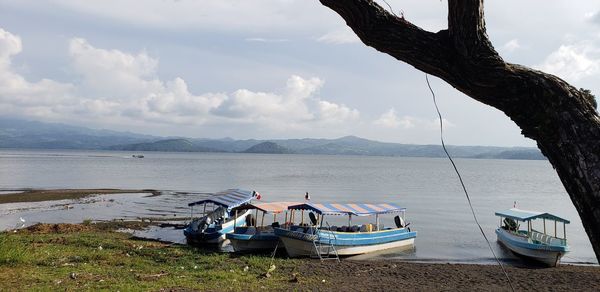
(35, 195)
(393, 275)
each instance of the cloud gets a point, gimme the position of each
(18, 92)
(511, 45)
(593, 17)
(124, 88)
(297, 107)
(342, 36)
(390, 120)
(573, 62)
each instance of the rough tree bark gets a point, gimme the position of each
(560, 118)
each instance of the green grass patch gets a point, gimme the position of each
(101, 259)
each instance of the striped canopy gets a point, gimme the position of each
(358, 209)
(274, 207)
(525, 215)
(228, 198)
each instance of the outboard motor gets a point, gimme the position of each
(313, 218)
(400, 223)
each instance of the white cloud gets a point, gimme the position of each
(390, 119)
(124, 88)
(341, 36)
(18, 92)
(511, 45)
(573, 62)
(336, 113)
(297, 107)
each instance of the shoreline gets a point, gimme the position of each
(40, 195)
(96, 256)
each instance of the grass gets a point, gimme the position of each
(93, 258)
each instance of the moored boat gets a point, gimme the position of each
(529, 242)
(259, 237)
(315, 240)
(216, 218)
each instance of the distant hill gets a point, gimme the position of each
(172, 145)
(268, 147)
(16, 133)
(29, 134)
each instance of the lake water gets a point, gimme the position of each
(428, 187)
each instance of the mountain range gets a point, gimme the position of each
(23, 134)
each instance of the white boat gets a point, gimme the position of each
(314, 240)
(542, 244)
(216, 218)
(259, 237)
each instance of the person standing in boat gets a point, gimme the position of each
(307, 196)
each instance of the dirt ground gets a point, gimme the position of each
(351, 275)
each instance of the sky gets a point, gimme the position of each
(267, 69)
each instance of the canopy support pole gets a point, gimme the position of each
(302, 220)
(235, 220)
(191, 213)
(377, 222)
(565, 230)
(262, 221)
(349, 220)
(255, 217)
(555, 229)
(544, 219)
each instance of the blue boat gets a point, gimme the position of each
(529, 242)
(315, 240)
(217, 218)
(259, 236)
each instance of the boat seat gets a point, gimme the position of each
(545, 239)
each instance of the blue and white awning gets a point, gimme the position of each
(358, 209)
(524, 215)
(229, 198)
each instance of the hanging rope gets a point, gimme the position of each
(463, 184)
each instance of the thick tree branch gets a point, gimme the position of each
(466, 27)
(562, 119)
(378, 28)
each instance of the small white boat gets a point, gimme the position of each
(216, 218)
(527, 241)
(259, 237)
(316, 240)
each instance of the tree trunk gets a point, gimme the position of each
(560, 118)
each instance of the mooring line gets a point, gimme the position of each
(463, 184)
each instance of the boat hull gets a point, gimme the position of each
(216, 236)
(299, 244)
(549, 255)
(249, 245)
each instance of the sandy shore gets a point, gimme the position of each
(35, 195)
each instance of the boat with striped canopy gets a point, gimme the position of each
(534, 240)
(259, 237)
(316, 240)
(216, 218)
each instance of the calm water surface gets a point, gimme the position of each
(428, 187)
